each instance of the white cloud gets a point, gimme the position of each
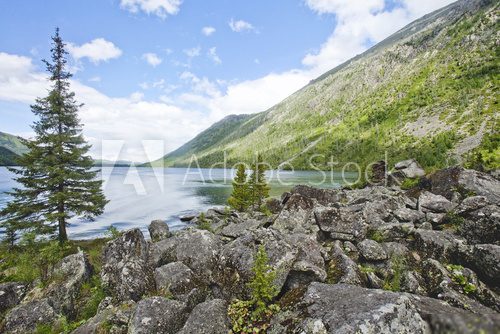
(95, 79)
(240, 25)
(207, 31)
(359, 23)
(152, 59)
(160, 8)
(193, 52)
(212, 54)
(96, 50)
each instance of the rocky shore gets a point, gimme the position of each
(374, 260)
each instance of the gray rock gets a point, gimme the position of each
(370, 250)
(468, 182)
(209, 317)
(26, 317)
(158, 230)
(425, 226)
(125, 272)
(111, 319)
(407, 215)
(471, 204)
(70, 274)
(435, 218)
(481, 226)
(412, 282)
(235, 230)
(322, 196)
(274, 205)
(176, 278)
(438, 244)
(295, 215)
(340, 223)
(410, 168)
(392, 231)
(486, 262)
(434, 203)
(309, 265)
(346, 309)
(10, 295)
(157, 315)
(342, 268)
(395, 249)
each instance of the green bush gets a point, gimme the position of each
(203, 223)
(409, 183)
(252, 316)
(393, 282)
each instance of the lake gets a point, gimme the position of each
(139, 195)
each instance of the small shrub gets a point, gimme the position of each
(398, 266)
(203, 223)
(252, 316)
(112, 232)
(375, 235)
(459, 279)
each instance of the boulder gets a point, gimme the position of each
(472, 203)
(158, 230)
(11, 294)
(340, 223)
(439, 245)
(110, 319)
(157, 315)
(322, 196)
(295, 215)
(274, 205)
(343, 308)
(26, 317)
(406, 215)
(68, 277)
(467, 182)
(125, 272)
(486, 262)
(409, 168)
(480, 226)
(346, 309)
(379, 170)
(209, 317)
(391, 231)
(371, 250)
(235, 230)
(429, 202)
(341, 268)
(309, 265)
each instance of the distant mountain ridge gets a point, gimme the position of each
(429, 91)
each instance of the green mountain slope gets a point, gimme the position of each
(12, 143)
(7, 157)
(428, 92)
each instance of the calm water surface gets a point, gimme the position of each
(139, 195)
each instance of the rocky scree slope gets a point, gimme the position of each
(372, 260)
(429, 92)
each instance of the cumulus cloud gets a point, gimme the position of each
(240, 25)
(193, 52)
(96, 51)
(160, 8)
(207, 31)
(152, 59)
(212, 54)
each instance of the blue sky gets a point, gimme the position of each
(166, 69)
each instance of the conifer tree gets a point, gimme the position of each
(55, 174)
(239, 199)
(259, 189)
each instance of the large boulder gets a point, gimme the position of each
(235, 230)
(341, 268)
(10, 295)
(25, 318)
(440, 245)
(109, 319)
(322, 196)
(158, 230)
(340, 223)
(480, 226)
(429, 202)
(467, 182)
(197, 249)
(125, 272)
(407, 215)
(485, 261)
(349, 309)
(157, 315)
(295, 215)
(371, 250)
(409, 168)
(209, 317)
(68, 277)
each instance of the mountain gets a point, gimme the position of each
(429, 92)
(11, 148)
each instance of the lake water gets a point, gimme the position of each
(139, 195)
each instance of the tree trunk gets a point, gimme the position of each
(63, 237)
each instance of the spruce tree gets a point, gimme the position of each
(259, 189)
(56, 174)
(239, 199)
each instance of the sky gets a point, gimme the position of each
(154, 73)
